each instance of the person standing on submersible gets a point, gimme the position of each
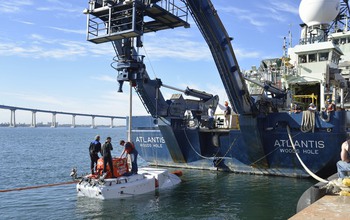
(94, 149)
(129, 148)
(107, 156)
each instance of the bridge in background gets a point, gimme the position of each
(54, 123)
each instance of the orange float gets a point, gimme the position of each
(120, 166)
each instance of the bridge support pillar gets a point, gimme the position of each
(13, 118)
(53, 124)
(111, 123)
(73, 121)
(93, 122)
(33, 124)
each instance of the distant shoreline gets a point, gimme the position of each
(23, 125)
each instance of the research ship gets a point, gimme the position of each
(264, 134)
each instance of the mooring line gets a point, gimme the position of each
(301, 162)
(35, 187)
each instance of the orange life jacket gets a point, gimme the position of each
(330, 107)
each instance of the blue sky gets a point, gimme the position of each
(46, 62)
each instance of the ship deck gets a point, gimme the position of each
(215, 130)
(328, 207)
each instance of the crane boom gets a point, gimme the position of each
(218, 41)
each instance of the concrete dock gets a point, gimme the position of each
(328, 207)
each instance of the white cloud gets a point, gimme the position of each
(273, 10)
(106, 78)
(25, 22)
(41, 47)
(14, 6)
(62, 9)
(242, 53)
(278, 10)
(61, 6)
(244, 15)
(282, 6)
(179, 48)
(110, 103)
(35, 98)
(66, 30)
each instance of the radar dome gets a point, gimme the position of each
(314, 12)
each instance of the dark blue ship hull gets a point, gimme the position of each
(233, 150)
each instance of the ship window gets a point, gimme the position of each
(336, 41)
(343, 41)
(335, 58)
(302, 59)
(312, 58)
(323, 56)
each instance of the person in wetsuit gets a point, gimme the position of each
(107, 155)
(94, 149)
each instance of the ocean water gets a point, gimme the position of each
(36, 156)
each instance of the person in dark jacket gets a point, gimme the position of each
(227, 114)
(107, 156)
(94, 149)
(130, 149)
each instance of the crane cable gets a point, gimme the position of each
(302, 163)
(213, 157)
(150, 63)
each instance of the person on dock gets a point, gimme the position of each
(343, 166)
(129, 148)
(94, 149)
(107, 156)
(227, 114)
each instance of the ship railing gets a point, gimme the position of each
(311, 40)
(172, 7)
(96, 27)
(305, 100)
(265, 75)
(233, 122)
(133, 18)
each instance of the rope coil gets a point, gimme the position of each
(308, 122)
(325, 119)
